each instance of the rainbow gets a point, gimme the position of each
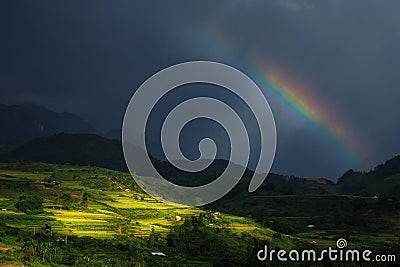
(296, 98)
(316, 112)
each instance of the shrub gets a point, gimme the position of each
(30, 204)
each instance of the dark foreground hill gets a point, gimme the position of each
(383, 179)
(94, 150)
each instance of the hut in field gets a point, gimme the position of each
(158, 254)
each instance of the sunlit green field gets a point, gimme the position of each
(90, 205)
(107, 213)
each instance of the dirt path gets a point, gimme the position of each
(6, 249)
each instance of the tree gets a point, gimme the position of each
(30, 204)
(66, 200)
(47, 228)
(154, 238)
(85, 198)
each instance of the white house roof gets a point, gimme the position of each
(158, 254)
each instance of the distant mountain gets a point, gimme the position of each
(21, 123)
(4, 147)
(114, 134)
(78, 149)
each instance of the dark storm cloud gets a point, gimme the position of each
(81, 56)
(88, 57)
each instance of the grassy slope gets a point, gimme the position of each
(109, 211)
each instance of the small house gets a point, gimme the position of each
(158, 254)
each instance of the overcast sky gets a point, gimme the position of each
(88, 57)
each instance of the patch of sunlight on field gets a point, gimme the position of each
(95, 205)
(78, 214)
(34, 226)
(125, 197)
(130, 203)
(187, 211)
(242, 227)
(82, 218)
(83, 221)
(106, 212)
(11, 212)
(146, 229)
(91, 223)
(155, 222)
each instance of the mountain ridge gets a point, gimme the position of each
(22, 123)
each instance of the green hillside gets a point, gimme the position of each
(90, 216)
(66, 215)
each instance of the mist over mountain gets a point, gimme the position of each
(22, 123)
